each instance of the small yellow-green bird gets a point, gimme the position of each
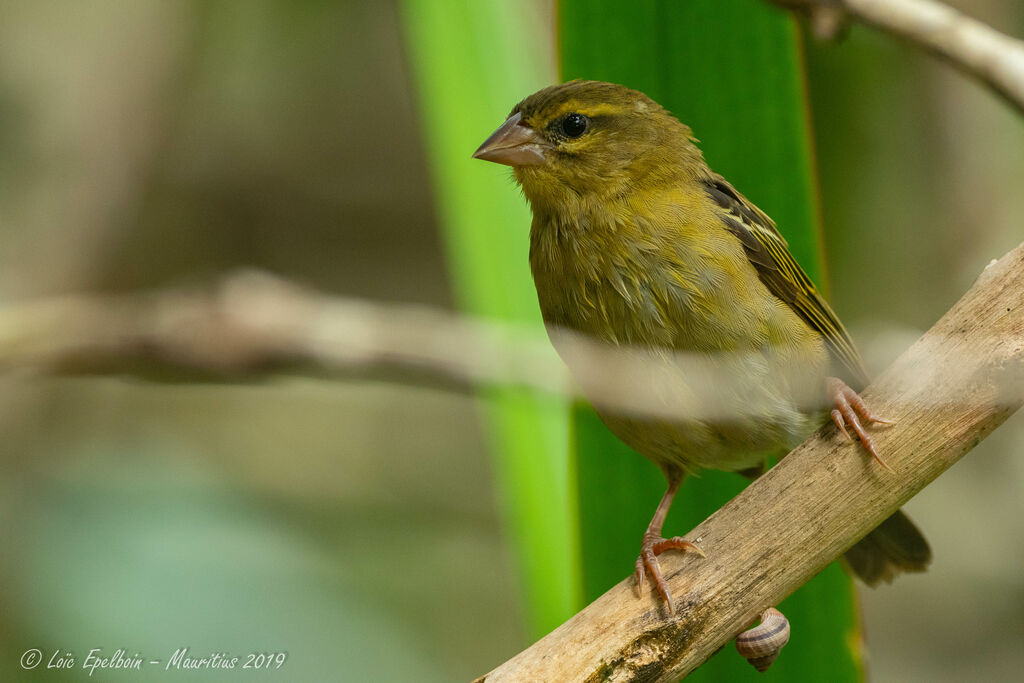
(637, 244)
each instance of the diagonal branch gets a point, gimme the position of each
(995, 59)
(956, 384)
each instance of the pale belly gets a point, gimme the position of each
(694, 445)
(695, 411)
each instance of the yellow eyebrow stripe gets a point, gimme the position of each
(591, 110)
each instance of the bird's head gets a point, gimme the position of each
(587, 138)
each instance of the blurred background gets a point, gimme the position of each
(355, 524)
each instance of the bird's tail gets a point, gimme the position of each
(896, 546)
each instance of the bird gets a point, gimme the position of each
(636, 244)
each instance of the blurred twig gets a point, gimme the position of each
(253, 324)
(955, 385)
(995, 59)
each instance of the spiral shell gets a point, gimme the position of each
(761, 644)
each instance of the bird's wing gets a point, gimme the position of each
(781, 274)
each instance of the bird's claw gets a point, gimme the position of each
(647, 563)
(849, 410)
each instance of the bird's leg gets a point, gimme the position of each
(850, 409)
(653, 544)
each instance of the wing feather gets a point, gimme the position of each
(769, 253)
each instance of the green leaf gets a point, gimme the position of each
(732, 70)
(472, 61)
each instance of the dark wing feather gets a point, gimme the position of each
(782, 275)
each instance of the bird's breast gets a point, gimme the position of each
(644, 281)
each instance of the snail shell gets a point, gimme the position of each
(761, 644)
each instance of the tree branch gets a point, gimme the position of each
(993, 58)
(946, 393)
(253, 323)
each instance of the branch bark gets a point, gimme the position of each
(995, 59)
(956, 384)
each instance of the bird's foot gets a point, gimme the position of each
(652, 546)
(850, 410)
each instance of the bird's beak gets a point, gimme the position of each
(514, 144)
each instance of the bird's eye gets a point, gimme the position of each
(575, 125)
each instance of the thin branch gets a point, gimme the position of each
(946, 393)
(253, 324)
(995, 59)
